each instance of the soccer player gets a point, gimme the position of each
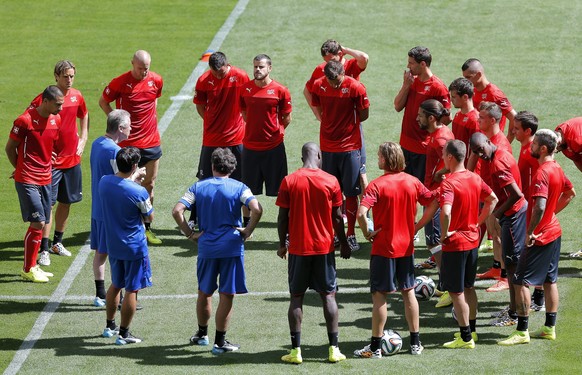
(220, 247)
(430, 115)
(29, 149)
(466, 120)
(486, 91)
(266, 109)
(550, 193)
(310, 203)
(137, 92)
(489, 116)
(419, 84)
(103, 152)
(66, 172)
(343, 104)
(507, 221)
(460, 194)
(125, 206)
(392, 257)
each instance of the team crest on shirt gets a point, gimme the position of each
(503, 103)
(107, 91)
(466, 119)
(426, 88)
(73, 99)
(271, 92)
(151, 83)
(483, 96)
(345, 90)
(15, 129)
(53, 122)
(232, 79)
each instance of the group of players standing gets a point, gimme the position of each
(243, 124)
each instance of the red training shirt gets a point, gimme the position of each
(464, 125)
(504, 171)
(528, 166)
(434, 154)
(572, 133)
(351, 69)
(492, 93)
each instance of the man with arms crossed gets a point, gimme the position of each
(310, 203)
(137, 92)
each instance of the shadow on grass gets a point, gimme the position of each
(18, 307)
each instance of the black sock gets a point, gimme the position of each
(496, 264)
(147, 225)
(219, 338)
(414, 338)
(100, 289)
(375, 343)
(512, 314)
(551, 319)
(522, 323)
(123, 331)
(473, 325)
(503, 273)
(466, 333)
(193, 215)
(295, 339)
(538, 297)
(44, 244)
(246, 220)
(202, 330)
(58, 237)
(333, 338)
(110, 324)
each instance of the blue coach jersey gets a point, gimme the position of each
(218, 205)
(103, 153)
(124, 203)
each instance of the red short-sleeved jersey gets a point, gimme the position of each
(549, 182)
(74, 107)
(492, 93)
(138, 97)
(351, 69)
(528, 166)
(434, 155)
(264, 106)
(572, 133)
(394, 211)
(504, 171)
(37, 136)
(310, 195)
(463, 191)
(499, 140)
(412, 137)
(464, 125)
(223, 122)
(340, 118)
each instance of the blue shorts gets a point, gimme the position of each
(205, 163)
(345, 166)
(97, 237)
(268, 167)
(432, 230)
(415, 163)
(67, 185)
(133, 275)
(35, 202)
(538, 264)
(387, 275)
(231, 271)
(458, 270)
(513, 230)
(149, 154)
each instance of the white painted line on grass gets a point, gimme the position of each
(60, 293)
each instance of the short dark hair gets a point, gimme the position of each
(433, 107)
(217, 60)
(333, 69)
(51, 93)
(330, 46)
(117, 118)
(548, 138)
(223, 161)
(492, 109)
(419, 54)
(457, 149)
(462, 86)
(470, 63)
(527, 120)
(126, 158)
(262, 56)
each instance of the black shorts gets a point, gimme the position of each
(345, 166)
(415, 163)
(35, 202)
(539, 264)
(362, 152)
(458, 270)
(149, 154)
(269, 167)
(513, 235)
(387, 275)
(205, 162)
(67, 185)
(432, 230)
(315, 272)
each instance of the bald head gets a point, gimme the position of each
(311, 155)
(478, 140)
(141, 64)
(142, 56)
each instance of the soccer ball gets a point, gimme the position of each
(424, 288)
(391, 342)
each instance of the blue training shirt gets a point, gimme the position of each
(103, 153)
(124, 203)
(218, 205)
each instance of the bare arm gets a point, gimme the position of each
(178, 214)
(201, 109)
(256, 213)
(283, 230)
(565, 199)
(105, 105)
(11, 147)
(400, 99)
(361, 57)
(364, 114)
(488, 207)
(536, 216)
(427, 215)
(472, 162)
(285, 119)
(514, 194)
(510, 119)
(446, 221)
(338, 226)
(243, 113)
(315, 111)
(84, 134)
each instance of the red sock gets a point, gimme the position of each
(351, 211)
(31, 245)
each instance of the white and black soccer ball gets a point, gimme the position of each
(424, 288)
(391, 342)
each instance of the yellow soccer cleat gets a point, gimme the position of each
(294, 356)
(335, 355)
(458, 343)
(548, 333)
(516, 338)
(444, 300)
(152, 238)
(34, 276)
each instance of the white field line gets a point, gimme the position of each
(59, 294)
